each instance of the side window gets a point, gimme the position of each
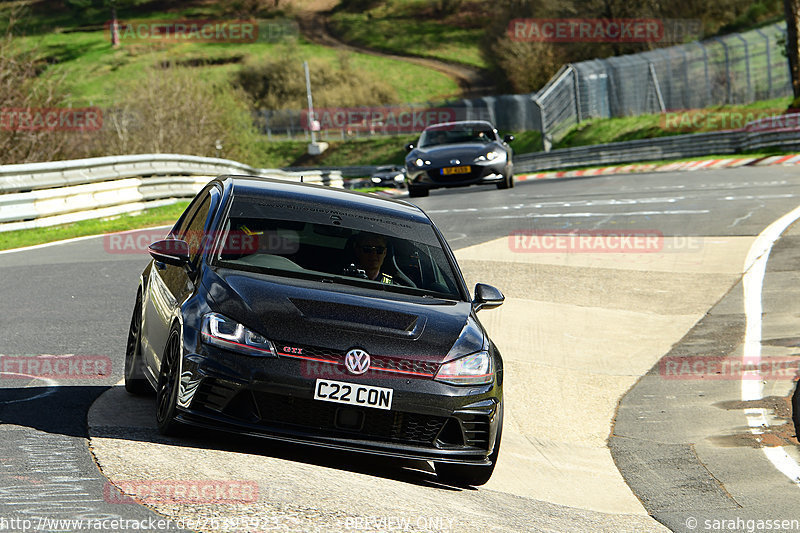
(179, 229)
(195, 231)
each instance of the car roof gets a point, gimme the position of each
(473, 123)
(255, 186)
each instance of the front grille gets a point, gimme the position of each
(318, 416)
(214, 394)
(382, 362)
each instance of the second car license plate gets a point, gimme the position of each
(353, 394)
(456, 170)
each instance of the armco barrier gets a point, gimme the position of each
(749, 139)
(44, 194)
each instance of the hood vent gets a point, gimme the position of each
(355, 317)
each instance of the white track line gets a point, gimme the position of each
(51, 388)
(752, 383)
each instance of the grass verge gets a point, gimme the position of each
(608, 130)
(156, 216)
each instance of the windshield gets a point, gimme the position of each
(332, 253)
(437, 136)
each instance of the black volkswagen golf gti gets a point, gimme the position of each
(318, 316)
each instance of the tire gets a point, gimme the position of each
(417, 192)
(471, 475)
(135, 383)
(507, 183)
(167, 390)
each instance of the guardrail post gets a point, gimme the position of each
(728, 81)
(576, 87)
(654, 76)
(547, 141)
(749, 96)
(769, 62)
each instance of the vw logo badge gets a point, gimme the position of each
(356, 361)
(455, 161)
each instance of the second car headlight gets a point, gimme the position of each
(219, 330)
(490, 156)
(475, 369)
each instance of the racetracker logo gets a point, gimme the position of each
(706, 120)
(56, 367)
(394, 119)
(604, 30)
(51, 118)
(241, 242)
(181, 492)
(586, 241)
(180, 31)
(723, 368)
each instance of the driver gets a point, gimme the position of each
(369, 252)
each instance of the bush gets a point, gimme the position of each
(168, 111)
(22, 90)
(279, 83)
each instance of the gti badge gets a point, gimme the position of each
(356, 361)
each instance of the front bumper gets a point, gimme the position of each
(273, 398)
(432, 177)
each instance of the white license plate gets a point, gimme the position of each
(353, 394)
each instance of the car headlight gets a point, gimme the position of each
(376, 179)
(419, 162)
(489, 156)
(475, 369)
(219, 330)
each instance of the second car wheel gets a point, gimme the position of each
(507, 183)
(168, 382)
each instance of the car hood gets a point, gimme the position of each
(464, 151)
(344, 317)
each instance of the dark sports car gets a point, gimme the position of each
(457, 154)
(254, 317)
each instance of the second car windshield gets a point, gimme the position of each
(435, 137)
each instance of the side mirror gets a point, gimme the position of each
(170, 251)
(409, 147)
(487, 297)
(508, 138)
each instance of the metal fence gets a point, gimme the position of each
(739, 68)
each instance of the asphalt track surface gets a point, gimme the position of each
(691, 457)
